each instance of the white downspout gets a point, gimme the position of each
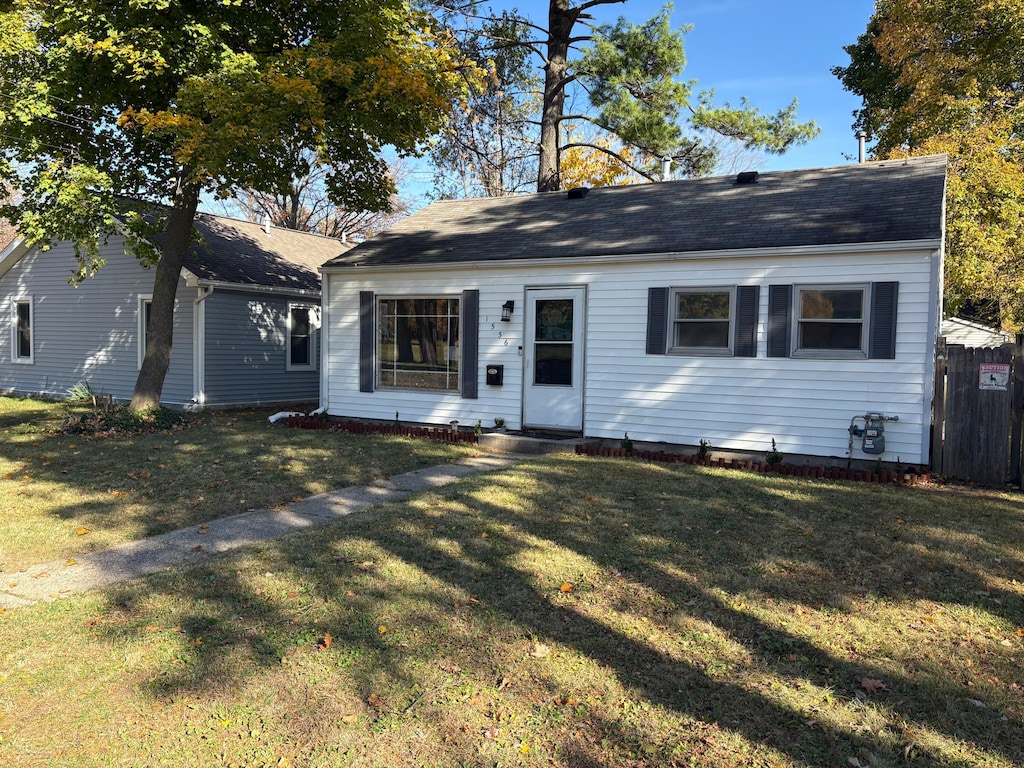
(199, 342)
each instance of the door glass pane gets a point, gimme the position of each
(553, 364)
(554, 320)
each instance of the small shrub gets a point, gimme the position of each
(704, 449)
(122, 419)
(626, 444)
(774, 456)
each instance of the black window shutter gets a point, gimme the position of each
(657, 321)
(882, 333)
(747, 300)
(780, 301)
(366, 340)
(469, 340)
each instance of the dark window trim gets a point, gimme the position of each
(16, 331)
(313, 310)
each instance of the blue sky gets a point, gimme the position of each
(770, 51)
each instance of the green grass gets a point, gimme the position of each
(121, 488)
(566, 612)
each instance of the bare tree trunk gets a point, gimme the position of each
(150, 382)
(561, 20)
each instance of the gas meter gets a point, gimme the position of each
(872, 434)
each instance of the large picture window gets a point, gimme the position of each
(21, 330)
(830, 320)
(418, 343)
(702, 320)
(303, 320)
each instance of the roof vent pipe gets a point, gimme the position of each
(266, 223)
(747, 177)
(666, 168)
(577, 193)
(861, 136)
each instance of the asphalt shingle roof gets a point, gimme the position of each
(243, 253)
(890, 201)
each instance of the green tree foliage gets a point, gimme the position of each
(945, 76)
(163, 100)
(625, 79)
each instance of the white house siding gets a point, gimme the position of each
(733, 403)
(245, 346)
(90, 332)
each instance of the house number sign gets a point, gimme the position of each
(994, 376)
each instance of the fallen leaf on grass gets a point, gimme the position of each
(1020, 633)
(540, 651)
(326, 642)
(382, 629)
(296, 499)
(160, 519)
(375, 701)
(204, 528)
(82, 531)
(870, 685)
(350, 718)
(566, 587)
(367, 565)
(70, 561)
(197, 548)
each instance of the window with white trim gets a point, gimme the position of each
(830, 320)
(303, 321)
(22, 323)
(145, 311)
(702, 320)
(418, 343)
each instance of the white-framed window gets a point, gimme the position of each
(830, 320)
(702, 320)
(145, 310)
(303, 322)
(418, 343)
(23, 331)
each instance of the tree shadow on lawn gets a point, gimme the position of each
(686, 543)
(128, 487)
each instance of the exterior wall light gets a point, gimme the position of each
(506, 310)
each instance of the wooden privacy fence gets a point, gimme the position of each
(978, 413)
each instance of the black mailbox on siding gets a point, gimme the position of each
(495, 375)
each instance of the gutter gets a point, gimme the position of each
(931, 244)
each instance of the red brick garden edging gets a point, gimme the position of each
(913, 476)
(361, 428)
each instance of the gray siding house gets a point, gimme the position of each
(732, 310)
(246, 321)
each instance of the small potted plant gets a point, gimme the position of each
(774, 457)
(499, 424)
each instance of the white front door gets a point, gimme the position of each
(553, 358)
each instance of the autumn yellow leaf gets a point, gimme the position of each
(349, 718)
(382, 629)
(566, 587)
(82, 531)
(326, 642)
(70, 561)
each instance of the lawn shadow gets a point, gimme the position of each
(403, 587)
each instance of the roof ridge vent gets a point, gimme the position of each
(576, 193)
(747, 177)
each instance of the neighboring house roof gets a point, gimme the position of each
(243, 253)
(957, 330)
(890, 201)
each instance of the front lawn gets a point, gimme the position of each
(61, 495)
(566, 612)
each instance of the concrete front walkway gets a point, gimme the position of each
(187, 546)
